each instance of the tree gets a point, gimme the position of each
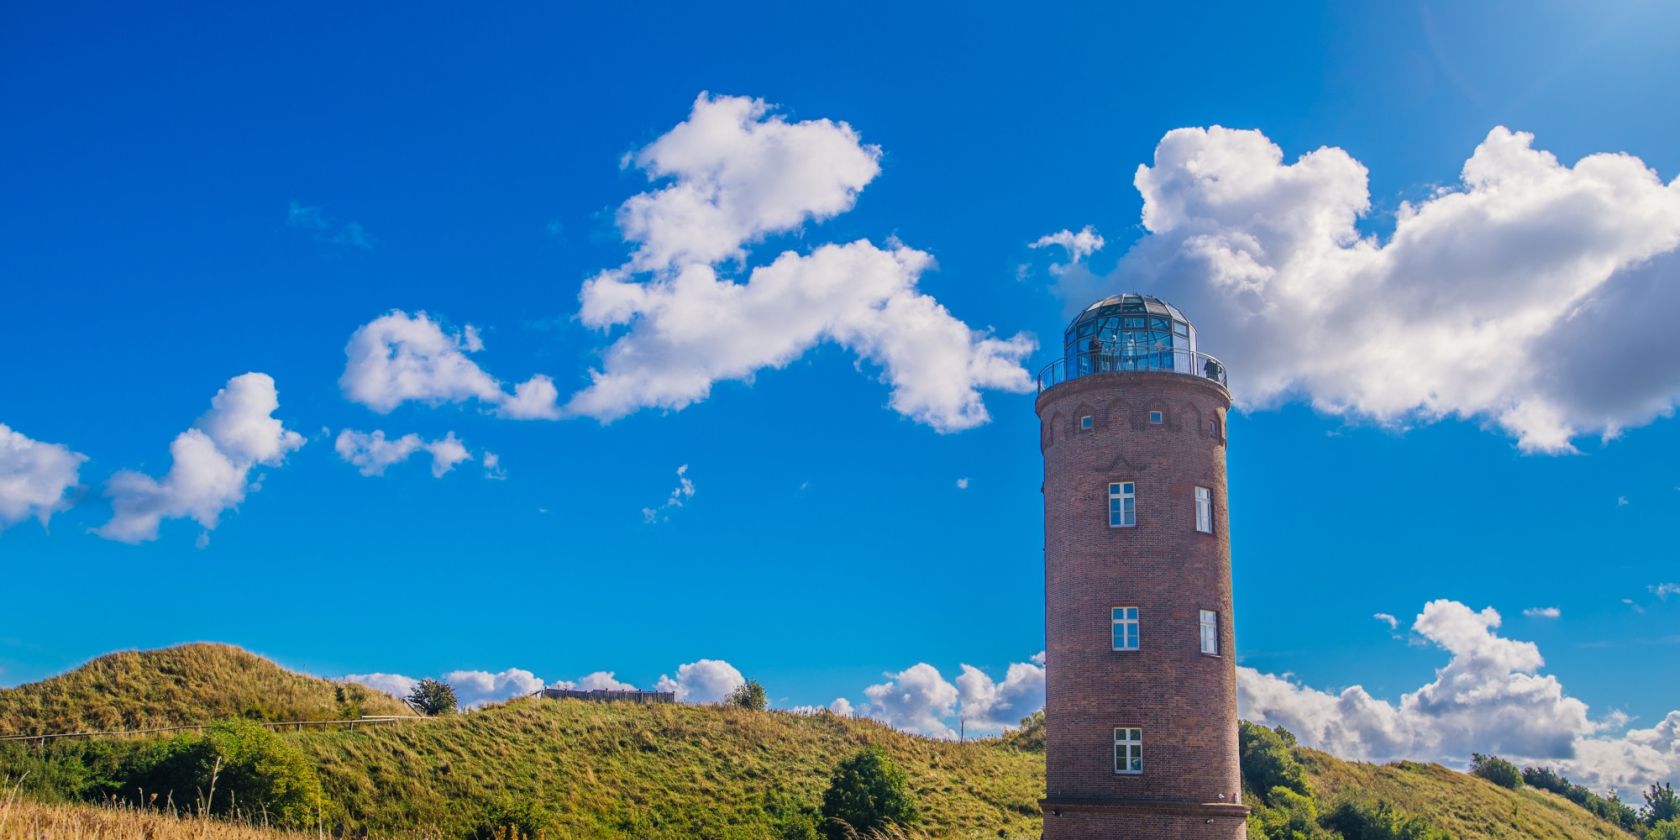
(1496, 770)
(1290, 816)
(1665, 830)
(234, 764)
(1268, 761)
(1661, 804)
(867, 792)
(432, 697)
(748, 695)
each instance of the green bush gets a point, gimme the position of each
(507, 819)
(432, 697)
(1496, 770)
(1610, 808)
(1268, 761)
(235, 766)
(867, 792)
(1364, 821)
(1290, 816)
(748, 695)
(1665, 830)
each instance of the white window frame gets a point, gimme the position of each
(1210, 632)
(1126, 621)
(1122, 504)
(1128, 750)
(1204, 510)
(1086, 423)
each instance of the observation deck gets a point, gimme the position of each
(1130, 332)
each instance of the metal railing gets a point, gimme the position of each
(1187, 362)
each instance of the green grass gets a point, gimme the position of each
(180, 685)
(616, 770)
(1463, 804)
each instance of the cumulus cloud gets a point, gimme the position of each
(478, 688)
(737, 173)
(396, 685)
(1475, 306)
(841, 706)
(987, 705)
(371, 453)
(1543, 612)
(595, 681)
(211, 466)
(917, 699)
(1078, 245)
(1489, 697)
(35, 477)
(679, 495)
(703, 681)
(398, 358)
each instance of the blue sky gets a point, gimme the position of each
(212, 191)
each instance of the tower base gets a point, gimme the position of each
(1088, 819)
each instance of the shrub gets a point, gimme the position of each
(748, 695)
(868, 792)
(1665, 830)
(1290, 816)
(1610, 808)
(236, 764)
(1268, 761)
(1364, 821)
(1661, 804)
(507, 819)
(432, 697)
(1496, 770)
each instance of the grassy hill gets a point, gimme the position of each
(591, 770)
(177, 685)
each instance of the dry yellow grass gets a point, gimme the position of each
(24, 819)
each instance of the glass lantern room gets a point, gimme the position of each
(1130, 332)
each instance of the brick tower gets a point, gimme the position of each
(1141, 695)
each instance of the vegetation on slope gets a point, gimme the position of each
(187, 684)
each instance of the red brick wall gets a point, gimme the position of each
(1185, 701)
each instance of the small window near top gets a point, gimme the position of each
(1155, 418)
(1128, 750)
(1122, 504)
(1204, 510)
(1085, 422)
(1125, 628)
(1210, 632)
(1213, 427)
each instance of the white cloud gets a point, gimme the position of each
(34, 477)
(1621, 501)
(739, 173)
(986, 705)
(350, 234)
(841, 706)
(703, 681)
(962, 483)
(596, 681)
(477, 688)
(680, 494)
(1663, 590)
(1078, 245)
(396, 685)
(371, 453)
(398, 358)
(1473, 307)
(1392, 622)
(212, 463)
(492, 464)
(1489, 697)
(1543, 612)
(917, 699)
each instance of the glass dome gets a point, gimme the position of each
(1130, 332)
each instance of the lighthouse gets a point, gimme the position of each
(1141, 695)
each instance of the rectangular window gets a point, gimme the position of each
(1128, 750)
(1204, 510)
(1085, 422)
(1210, 632)
(1122, 504)
(1125, 628)
(1155, 418)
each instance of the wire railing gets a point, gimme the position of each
(1175, 360)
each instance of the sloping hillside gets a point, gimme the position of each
(185, 684)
